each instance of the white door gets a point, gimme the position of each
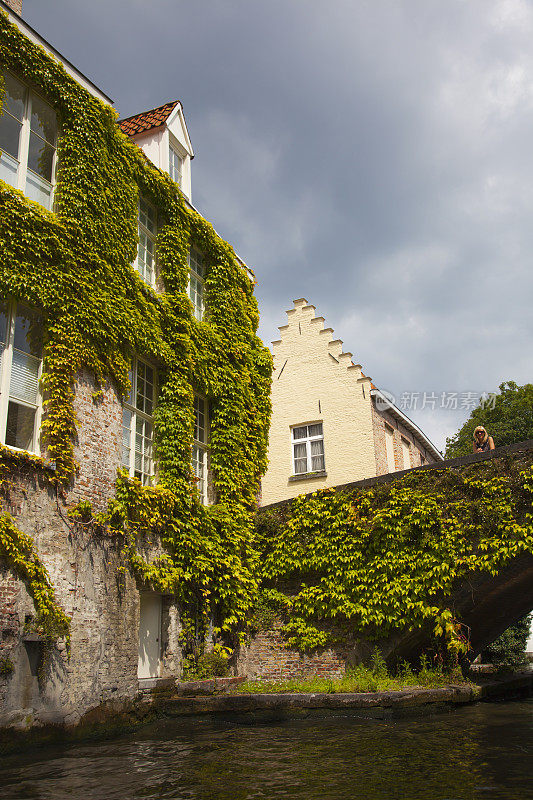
(149, 635)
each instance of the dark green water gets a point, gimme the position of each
(481, 752)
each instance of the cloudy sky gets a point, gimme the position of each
(373, 156)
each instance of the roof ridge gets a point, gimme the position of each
(150, 110)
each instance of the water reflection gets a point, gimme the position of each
(469, 754)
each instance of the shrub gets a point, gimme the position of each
(213, 664)
(508, 651)
(6, 667)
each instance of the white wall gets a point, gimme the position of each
(155, 146)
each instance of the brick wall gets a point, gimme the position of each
(418, 452)
(84, 569)
(16, 5)
(98, 448)
(267, 658)
(9, 624)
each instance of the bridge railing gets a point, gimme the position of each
(451, 463)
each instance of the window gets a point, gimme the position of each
(21, 363)
(406, 453)
(389, 445)
(196, 281)
(308, 448)
(175, 165)
(200, 446)
(138, 424)
(28, 133)
(145, 264)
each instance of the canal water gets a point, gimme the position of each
(481, 752)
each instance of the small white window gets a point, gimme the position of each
(28, 135)
(145, 263)
(195, 289)
(138, 423)
(406, 453)
(308, 448)
(200, 446)
(21, 365)
(175, 165)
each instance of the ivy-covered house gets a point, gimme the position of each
(134, 397)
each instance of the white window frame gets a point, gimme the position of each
(151, 236)
(6, 363)
(175, 152)
(307, 442)
(200, 446)
(195, 257)
(130, 406)
(21, 182)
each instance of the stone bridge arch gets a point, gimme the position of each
(486, 603)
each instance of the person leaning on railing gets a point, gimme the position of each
(482, 440)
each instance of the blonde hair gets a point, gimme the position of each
(485, 434)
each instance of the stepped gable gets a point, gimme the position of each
(301, 320)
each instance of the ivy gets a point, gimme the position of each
(17, 549)
(369, 563)
(337, 564)
(74, 266)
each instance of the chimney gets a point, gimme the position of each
(15, 5)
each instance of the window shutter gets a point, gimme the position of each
(24, 377)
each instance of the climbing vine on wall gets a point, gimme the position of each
(335, 564)
(367, 563)
(74, 265)
(17, 550)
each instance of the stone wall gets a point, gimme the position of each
(47, 685)
(9, 628)
(98, 449)
(266, 658)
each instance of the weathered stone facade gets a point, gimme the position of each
(121, 630)
(46, 685)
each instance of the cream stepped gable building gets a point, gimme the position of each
(330, 425)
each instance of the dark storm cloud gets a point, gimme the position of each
(374, 157)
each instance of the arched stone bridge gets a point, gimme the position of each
(486, 604)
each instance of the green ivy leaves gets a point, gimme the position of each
(75, 267)
(17, 550)
(388, 559)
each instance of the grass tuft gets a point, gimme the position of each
(375, 678)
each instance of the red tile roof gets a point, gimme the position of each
(147, 120)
